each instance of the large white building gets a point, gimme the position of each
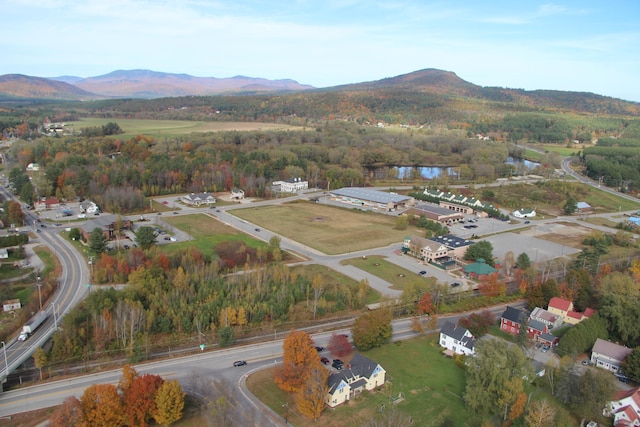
(291, 185)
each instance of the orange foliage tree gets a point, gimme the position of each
(67, 414)
(298, 359)
(139, 399)
(101, 406)
(310, 398)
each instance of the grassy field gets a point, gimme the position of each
(400, 277)
(328, 275)
(160, 128)
(432, 386)
(329, 229)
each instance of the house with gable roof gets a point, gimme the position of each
(478, 269)
(524, 213)
(457, 339)
(511, 319)
(625, 408)
(546, 317)
(197, 199)
(564, 309)
(536, 328)
(608, 355)
(361, 374)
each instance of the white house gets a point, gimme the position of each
(608, 355)
(237, 194)
(197, 199)
(457, 339)
(89, 207)
(625, 410)
(524, 213)
(291, 185)
(33, 167)
(11, 305)
(360, 375)
(4, 253)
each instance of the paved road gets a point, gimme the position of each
(207, 365)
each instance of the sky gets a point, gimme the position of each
(586, 46)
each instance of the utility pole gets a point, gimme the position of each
(39, 291)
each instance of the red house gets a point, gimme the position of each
(535, 328)
(511, 320)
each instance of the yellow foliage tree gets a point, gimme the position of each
(310, 398)
(169, 403)
(298, 358)
(101, 406)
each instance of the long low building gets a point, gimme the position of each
(372, 199)
(436, 213)
(440, 249)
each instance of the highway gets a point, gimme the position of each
(208, 365)
(71, 290)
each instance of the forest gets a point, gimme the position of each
(614, 162)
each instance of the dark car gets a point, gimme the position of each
(422, 273)
(257, 229)
(337, 363)
(456, 284)
(527, 222)
(325, 360)
(319, 348)
(240, 363)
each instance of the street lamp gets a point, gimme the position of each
(6, 364)
(39, 292)
(55, 317)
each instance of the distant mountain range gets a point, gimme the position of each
(442, 84)
(137, 84)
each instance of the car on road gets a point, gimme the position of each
(456, 284)
(319, 348)
(218, 210)
(527, 222)
(167, 238)
(545, 348)
(239, 363)
(257, 229)
(422, 273)
(175, 213)
(325, 360)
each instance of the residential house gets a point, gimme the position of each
(4, 253)
(89, 207)
(511, 320)
(564, 309)
(50, 203)
(237, 194)
(361, 374)
(33, 167)
(546, 317)
(548, 339)
(457, 339)
(624, 408)
(198, 199)
(524, 213)
(291, 185)
(535, 328)
(583, 207)
(478, 269)
(608, 355)
(11, 305)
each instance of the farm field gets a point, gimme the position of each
(329, 229)
(159, 128)
(432, 393)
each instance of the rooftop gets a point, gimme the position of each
(370, 195)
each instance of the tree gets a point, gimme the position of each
(169, 402)
(401, 222)
(487, 373)
(523, 261)
(298, 358)
(75, 234)
(541, 414)
(339, 345)
(40, 359)
(101, 406)
(227, 336)
(631, 365)
(128, 375)
(97, 241)
(16, 216)
(571, 206)
(145, 237)
(393, 417)
(139, 399)
(310, 398)
(518, 407)
(372, 329)
(67, 414)
(595, 389)
(483, 249)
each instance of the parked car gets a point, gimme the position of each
(545, 348)
(338, 364)
(527, 222)
(422, 273)
(319, 348)
(257, 229)
(456, 284)
(585, 362)
(325, 360)
(239, 363)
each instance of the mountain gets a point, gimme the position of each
(153, 84)
(26, 87)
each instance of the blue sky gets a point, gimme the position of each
(591, 46)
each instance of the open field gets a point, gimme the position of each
(159, 128)
(328, 229)
(432, 386)
(399, 277)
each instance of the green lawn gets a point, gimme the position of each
(432, 386)
(399, 277)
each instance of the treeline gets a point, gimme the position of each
(615, 163)
(184, 296)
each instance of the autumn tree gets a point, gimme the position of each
(169, 403)
(139, 399)
(298, 358)
(310, 398)
(339, 345)
(128, 375)
(40, 359)
(101, 406)
(541, 414)
(517, 408)
(67, 414)
(372, 329)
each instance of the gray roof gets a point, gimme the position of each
(430, 207)
(513, 314)
(537, 325)
(614, 351)
(452, 241)
(101, 222)
(458, 333)
(370, 195)
(360, 365)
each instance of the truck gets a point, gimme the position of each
(33, 324)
